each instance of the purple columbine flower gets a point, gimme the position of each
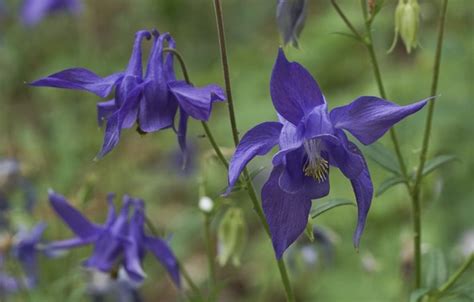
(311, 140)
(121, 240)
(291, 16)
(151, 101)
(25, 250)
(33, 11)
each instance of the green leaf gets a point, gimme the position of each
(309, 230)
(437, 162)
(388, 183)
(436, 269)
(418, 294)
(328, 205)
(383, 157)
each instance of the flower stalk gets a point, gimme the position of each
(235, 134)
(415, 188)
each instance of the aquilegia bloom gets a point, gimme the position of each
(33, 11)
(291, 16)
(311, 140)
(26, 249)
(121, 240)
(151, 101)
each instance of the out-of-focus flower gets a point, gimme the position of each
(407, 23)
(291, 16)
(151, 102)
(121, 239)
(26, 249)
(304, 254)
(370, 263)
(118, 288)
(9, 172)
(33, 11)
(311, 139)
(231, 237)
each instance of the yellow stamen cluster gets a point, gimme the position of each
(317, 169)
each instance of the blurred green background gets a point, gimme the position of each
(54, 134)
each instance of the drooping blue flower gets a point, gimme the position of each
(26, 249)
(311, 140)
(120, 240)
(291, 16)
(33, 11)
(151, 101)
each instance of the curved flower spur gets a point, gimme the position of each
(120, 241)
(310, 140)
(151, 101)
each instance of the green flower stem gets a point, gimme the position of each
(208, 132)
(211, 258)
(424, 149)
(456, 275)
(225, 69)
(235, 135)
(182, 270)
(367, 41)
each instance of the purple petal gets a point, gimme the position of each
(196, 101)
(117, 121)
(105, 110)
(80, 79)
(80, 225)
(69, 243)
(33, 11)
(160, 249)
(107, 249)
(292, 177)
(363, 190)
(368, 117)
(135, 62)
(291, 138)
(294, 91)
(257, 141)
(111, 215)
(343, 156)
(287, 214)
(158, 108)
(317, 123)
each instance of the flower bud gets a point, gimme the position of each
(407, 23)
(291, 16)
(231, 237)
(206, 204)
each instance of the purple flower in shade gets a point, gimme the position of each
(25, 250)
(33, 11)
(121, 240)
(151, 101)
(311, 140)
(291, 16)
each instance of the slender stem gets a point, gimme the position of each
(426, 140)
(217, 150)
(346, 20)
(182, 270)
(431, 105)
(225, 69)
(454, 277)
(204, 124)
(235, 135)
(210, 257)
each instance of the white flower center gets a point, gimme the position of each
(316, 166)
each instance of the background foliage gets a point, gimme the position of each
(54, 134)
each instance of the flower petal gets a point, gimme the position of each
(80, 79)
(343, 156)
(135, 62)
(287, 214)
(363, 190)
(160, 249)
(294, 91)
(105, 110)
(196, 101)
(292, 177)
(69, 243)
(158, 108)
(369, 117)
(291, 138)
(80, 225)
(257, 141)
